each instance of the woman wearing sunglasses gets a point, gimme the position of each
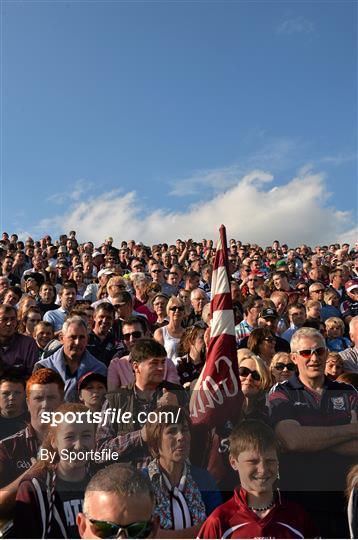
(262, 342)
(255, 381)
(184, 494)
(282, 367)
(50, 495)
(169, 336)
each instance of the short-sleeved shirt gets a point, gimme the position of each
(292, 400)
(16, 453)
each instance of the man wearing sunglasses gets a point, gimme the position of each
(316, 422)
(118, 503)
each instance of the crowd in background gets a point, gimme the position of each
(127, 326)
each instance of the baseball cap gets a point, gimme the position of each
(39, 278)
(351, 284)
(95, 254)
(281, 263)
(268, 313)
(106, 272)
(91, 376)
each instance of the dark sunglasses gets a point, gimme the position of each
(318, 291)
(136, 334)
(107, 529)
(245, 372)
(302, 288)
(280, 366)
(176, 308)
(307, 353)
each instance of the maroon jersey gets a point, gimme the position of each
(234, 519)
(16, 453)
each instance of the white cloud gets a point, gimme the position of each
(79, 188)
(252, 211)
(296, 25)
(218, 179)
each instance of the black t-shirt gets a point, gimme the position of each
(71, 495)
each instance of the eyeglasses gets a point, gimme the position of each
(307, 353)
(245, 372)
(280, 366)
(136, 334)
(107, 529)
(176, 308)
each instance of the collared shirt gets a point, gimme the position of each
(350, 359)
(287, 335)
(16, 452)
(103, 350)
(58, 363)
(322, 470)
(242, 330)
(56, 317)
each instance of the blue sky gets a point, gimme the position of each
(162, 119)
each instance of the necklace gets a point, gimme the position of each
(263, 508)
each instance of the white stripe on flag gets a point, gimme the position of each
(220, 283)
(222, 323)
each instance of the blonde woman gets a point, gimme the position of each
(282, 367)
(169, 336)
(255, 381)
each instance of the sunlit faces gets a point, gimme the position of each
(297, 315)
(46, 293)
(313, 366)
(114, 507)
(249, 377)
(42, 398)
(150, 371)
(8, 323)
(175, 443)
(74, 437)
(68, 298)
(92, 395)
(257, 469)
(334, 365)
(131, 334)
(103, 321)
(75, 341)
(43, 333)
(282, 367)
(12, 399)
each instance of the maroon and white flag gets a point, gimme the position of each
(217, 396)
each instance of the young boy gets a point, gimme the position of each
(256, 510)
(335, 340)
(92, 388)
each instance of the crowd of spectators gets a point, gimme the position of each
(126, 327)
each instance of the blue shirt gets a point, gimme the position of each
(57, 363)
(56, 317)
